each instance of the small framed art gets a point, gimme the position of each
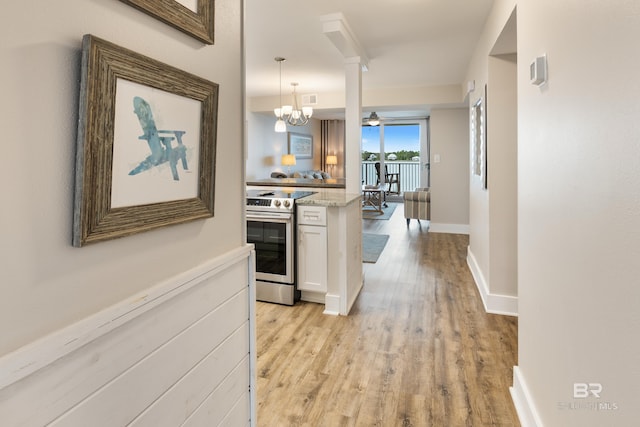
(300, 145)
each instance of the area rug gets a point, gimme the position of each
(372, 246)
(369, 213)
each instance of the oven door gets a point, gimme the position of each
(272, 236)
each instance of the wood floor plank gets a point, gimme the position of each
(416, 350)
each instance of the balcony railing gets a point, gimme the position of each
(409, 173)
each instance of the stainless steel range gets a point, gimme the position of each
(271, 228)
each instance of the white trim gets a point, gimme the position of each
(493, 303)
(332, 304)
(309, 296)
(439, 227)
(523, 402)
(338, 31)
(253, 341)
(46, 350)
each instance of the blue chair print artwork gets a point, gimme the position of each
(160, 142)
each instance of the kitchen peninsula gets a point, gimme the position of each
(330, 268)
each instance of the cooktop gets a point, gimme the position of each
(278, 194)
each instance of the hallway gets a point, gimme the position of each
(416, 350)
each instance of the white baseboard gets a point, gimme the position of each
(332, 304)
(493, 303)
(438, 227)
(522, 401)
(317, 297)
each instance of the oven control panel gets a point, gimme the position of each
(258, 202)
(270, 204)
(273, 200)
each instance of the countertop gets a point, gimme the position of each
(300, 182)
(323, 198)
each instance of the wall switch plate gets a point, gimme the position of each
(436, 158)
(538, 70)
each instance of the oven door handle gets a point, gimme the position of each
(267, 216)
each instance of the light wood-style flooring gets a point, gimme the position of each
(417, 349)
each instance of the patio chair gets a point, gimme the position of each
(390, 179)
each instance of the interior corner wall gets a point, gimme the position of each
(479, 202)
(45, 283)
(579, 212)
(265, 147)
(501, 104)
(450, 175)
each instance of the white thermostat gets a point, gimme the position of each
(538, 70)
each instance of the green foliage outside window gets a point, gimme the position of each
(402, 155)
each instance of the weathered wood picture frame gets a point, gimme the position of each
(199, 24)
(179, 194)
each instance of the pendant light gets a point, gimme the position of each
(290, 114)
(297, 116)
(280, 125)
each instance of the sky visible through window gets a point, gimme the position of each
(396, 138)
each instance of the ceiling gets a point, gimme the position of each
(409, 43)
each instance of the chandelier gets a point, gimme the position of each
(290, 114)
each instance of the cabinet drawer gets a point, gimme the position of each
(312, 215)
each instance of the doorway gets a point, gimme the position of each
(402, 146)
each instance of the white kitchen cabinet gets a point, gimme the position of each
(312, 249)
(330, 250)
(312, 258)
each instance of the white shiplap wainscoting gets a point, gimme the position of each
(178, 354)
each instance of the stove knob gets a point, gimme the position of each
(277, 203)
(286, 204)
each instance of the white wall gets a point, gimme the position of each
(579, 210)
(45, 283)
(492, 254)
(502, 130)
(493, 216)
(265, 147)
(383, 98)
(450, 176)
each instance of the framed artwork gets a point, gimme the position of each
(300, 145)
(478, 142)
(486, 141)
(145, 151)
(193, 17)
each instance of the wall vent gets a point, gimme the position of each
(310, 99)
